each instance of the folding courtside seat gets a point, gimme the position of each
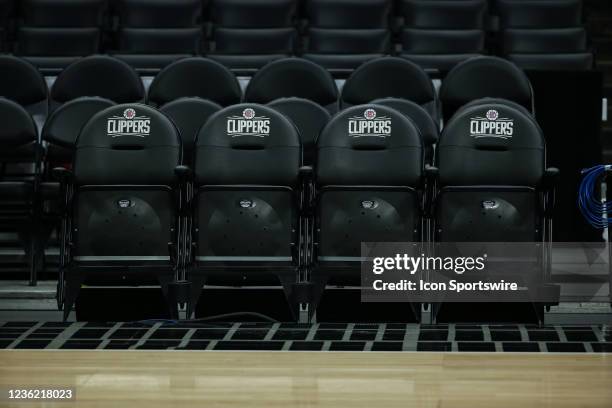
(98, 75)
(425, 123)
(246, 202)
(293, 77)
(483, 77)
(54, 33)
(154, 33)
(544, 34)
(21, 82)
(390, 77)
(247, 34)
(438, 34)
(20, 156)
(369, 178)
(343, 34)
(482, 194)
(308, 117)
(195, 77)
(122, 213)
(59, 136)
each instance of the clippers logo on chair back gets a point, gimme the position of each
(249, 124)
(491, 125)
(370, 124)
(130, 124)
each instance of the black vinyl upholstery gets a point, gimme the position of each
(428, 128)
(21, 82)
(309, 118)
(99, 75)
(390, 77)
(189, 114)
(293, 77)
(540, 13)
(343, 34)
(250, 33)
(196, 77)
(483, 77)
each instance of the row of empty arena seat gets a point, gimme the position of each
(246, 210)
(113, 79)
(339, 34)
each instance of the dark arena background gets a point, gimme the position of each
(269, 202)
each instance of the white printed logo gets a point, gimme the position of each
(128, 125)
(369, 125)
(491, 126)
(249, 124)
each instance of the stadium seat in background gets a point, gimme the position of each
(246, 217)
(154, 33)
(544, 34)
(430, 132)
(126, 233)
(309, 118)
(343, 34)
(6, 11)
(369, 181)
(54, 33)
(21, 82)
(438, 34)
(20, 156)
(247, 34)
(390, 77)
(293, 77)
(189, 114)
(540, 13)
(483, 77)
(98, 75)
(195, 77)
(62, 128)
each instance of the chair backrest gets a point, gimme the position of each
(98, 75)
(159, 13)
(63, 126)
(248, 144)
(21, 82)
(63, 13)
(195, 77)
(370, 145)
(491, 143)
(427, 126)
(309, 118)
(253, 13)
(189, 114)
(441, 14)
(18, 133)
(540, 13)
(349, 13)
(482, 77)
(389, 77)
(293, 77)
(129, 144)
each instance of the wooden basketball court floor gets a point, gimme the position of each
(134, 379)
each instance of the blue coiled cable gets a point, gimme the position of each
(596, 211)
